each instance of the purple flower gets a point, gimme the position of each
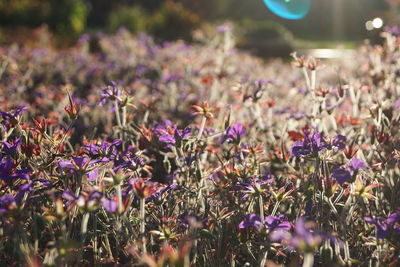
(12, 117)
(160, 195)
(339, 143)
(7, 202)
(385, 226)
(88, 201)
(8, 171)
(234, 133)
(190, 220)
(397, 104)
(343, 174)
(311, 145)
(110, 205)
(128, 160)
(170, 134)
(393, 30)
(11, 148)
(356, 164)
(304, 238)
(224, 28)
(110, 93)
(81, 165)
(105, 149)
(253, 187)
(251, 220)
(279, 223)
(169, 78)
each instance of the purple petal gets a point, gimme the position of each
(92, 175)
(109, 204)
(357, 164)
(66, 164)
(80, 161)
(341, 175)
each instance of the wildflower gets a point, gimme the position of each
(128, 160)
(304, 238)
(85, 201)
(234, 133)
(169, 78)
(247, 149)
(160, 195)
(339, 143)
(357, 164)
(385, 226)
(41, 124)
(11, 147)
(254, 187)
(190, 220)
(395, 30)
(310, 146)
(144, 189)
(110, 93)
(282, 194)
(279, 223)
(364, 191)
(105, 150)
(8, 171)
(12, 117)
(251, 220)
(224, 28)
(170, 134)
(343, 174)
(204, 110)
(81, 166)
(7, 203)
(271, 223)
(71, 109)
(299, 62)
(110, 205)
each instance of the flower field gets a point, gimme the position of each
(123, 152)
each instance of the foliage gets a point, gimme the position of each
(133, 18)
(66, 17)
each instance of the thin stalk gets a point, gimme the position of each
(95, 252)
(308, 260)
(143, 222)
(117, 113)
(261, 203)
(119, 195)
(307, 78)
(275, 208)
(313, 80)
(203, 124)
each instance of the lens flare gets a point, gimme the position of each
(289, 9)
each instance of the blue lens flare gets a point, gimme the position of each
(289, 9)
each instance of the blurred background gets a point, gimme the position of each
(330, 23)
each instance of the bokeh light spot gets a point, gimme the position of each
(377, 23)
(289, 9)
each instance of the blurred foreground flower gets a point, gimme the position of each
(384, 227)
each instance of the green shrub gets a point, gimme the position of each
(173, 21)
(134, 18)
(65, 17)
